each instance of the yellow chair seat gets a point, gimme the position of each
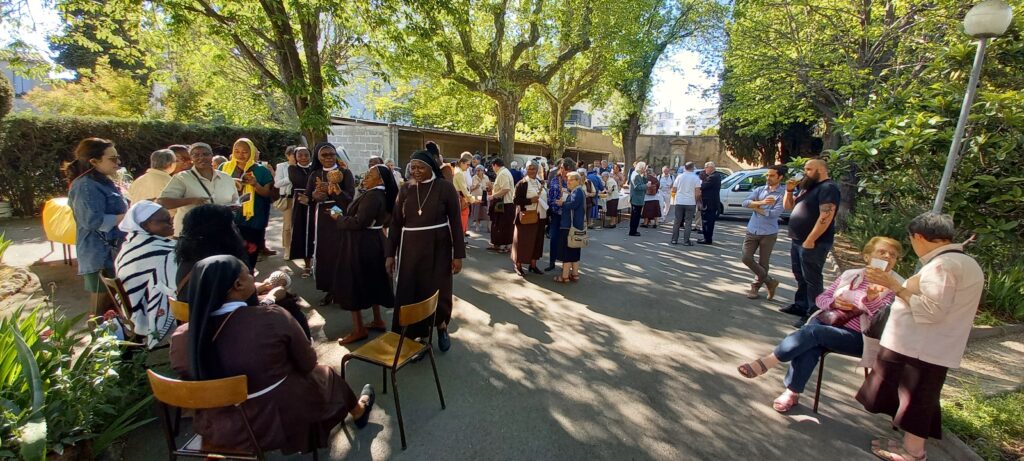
(381, 350)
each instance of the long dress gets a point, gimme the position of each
(652, 204)
(325, 232)
(424, 241)
(302, 220)
(146, 267)
(528, 242)
(266, 344)
(360, 278)
(502, 222)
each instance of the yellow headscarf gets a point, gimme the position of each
(249, 207)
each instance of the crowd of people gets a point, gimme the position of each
(193, 229)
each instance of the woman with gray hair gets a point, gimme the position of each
(926, 335)
(531, 217)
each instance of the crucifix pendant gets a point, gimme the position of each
(420, 212)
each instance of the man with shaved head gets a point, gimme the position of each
(811, 229)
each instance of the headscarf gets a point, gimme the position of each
(138, 214)
(390, 186)
(426, 157)
(207, 290)
(340, 154)
(249, 207)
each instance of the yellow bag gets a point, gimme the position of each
(59, 221)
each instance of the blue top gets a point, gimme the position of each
(517, 175)
(555, 186)
(95, 205)
(573, 209)
(765, 224)
(596, 180)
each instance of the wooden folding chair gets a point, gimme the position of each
(393, 351)
(202, 395)
(121, 300)
(821, 373)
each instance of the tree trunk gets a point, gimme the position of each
(556, 131)
(629, 137)
(508, 116)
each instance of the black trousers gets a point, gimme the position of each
(635, 212)
(707, 221)
(254, 239)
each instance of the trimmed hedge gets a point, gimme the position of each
(33, 148)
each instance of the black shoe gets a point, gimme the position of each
(444, 342)
(688, 243)
(792, 309)
(704, 242)
(674, 242)
(326, 300)
(800, 323)
(365, 418)
(549, 268)
(519, 271)
(535, 270)
(634, 234)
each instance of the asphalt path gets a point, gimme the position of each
(636, 361)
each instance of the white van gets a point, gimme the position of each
(737, 187)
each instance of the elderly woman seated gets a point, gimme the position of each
(291, 396)
(146, 266)
(846, 307)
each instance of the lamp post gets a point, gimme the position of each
(985, 20)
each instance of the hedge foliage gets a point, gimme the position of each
(33, 148)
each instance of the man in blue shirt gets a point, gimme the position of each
(763, 229)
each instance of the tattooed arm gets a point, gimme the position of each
(826, 213)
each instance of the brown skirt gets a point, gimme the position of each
(652, 209)
(528, 242)
(906, 389)
(612, 208)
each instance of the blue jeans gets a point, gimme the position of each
(803, 347)
(554, 220)
(807, 267)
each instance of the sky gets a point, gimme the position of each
(679, 83)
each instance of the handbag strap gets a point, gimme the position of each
(200, 181)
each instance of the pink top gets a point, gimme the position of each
(858, 287)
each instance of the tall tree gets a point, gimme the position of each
(657, 26)
(489, 47)
(299, 47)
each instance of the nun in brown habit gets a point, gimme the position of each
(330, 184)
(291, 397)
(426, 244)
(360, 279)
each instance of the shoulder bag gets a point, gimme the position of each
(578, 238)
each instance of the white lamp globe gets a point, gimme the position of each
(988, 19)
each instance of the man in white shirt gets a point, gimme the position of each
(502, 222)
(686, 188)
(284, 187)
(197, 185)
(152, 183)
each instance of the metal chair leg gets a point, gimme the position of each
(398, 408)
(821, 373)
(384, 378)
(437, 380)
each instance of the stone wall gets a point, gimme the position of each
(661, 150)
(364, 141)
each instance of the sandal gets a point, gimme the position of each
(574, 278)
(306, 273)
(894, 451)
(352, 337)
(786, 401)
(748, 371)
(377, 326)
(560, 279)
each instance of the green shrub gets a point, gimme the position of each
(1004, 292)
(864, 224)
(992, 426)
(6, 96)
(33, 148)
(55, 393)
(5, 243)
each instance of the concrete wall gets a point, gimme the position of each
(363, 142)
(661, 150)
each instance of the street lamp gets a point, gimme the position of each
(985, 20)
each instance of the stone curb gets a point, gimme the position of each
(983, 332)
(956, 448)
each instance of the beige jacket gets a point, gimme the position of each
(148, 186)
(934, 325)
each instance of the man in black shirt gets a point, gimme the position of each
(812, 230)
(710, 193)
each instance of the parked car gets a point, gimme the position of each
(737, 187)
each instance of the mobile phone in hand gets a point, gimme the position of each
(335, 210)
(244, 197)
(879, 264)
